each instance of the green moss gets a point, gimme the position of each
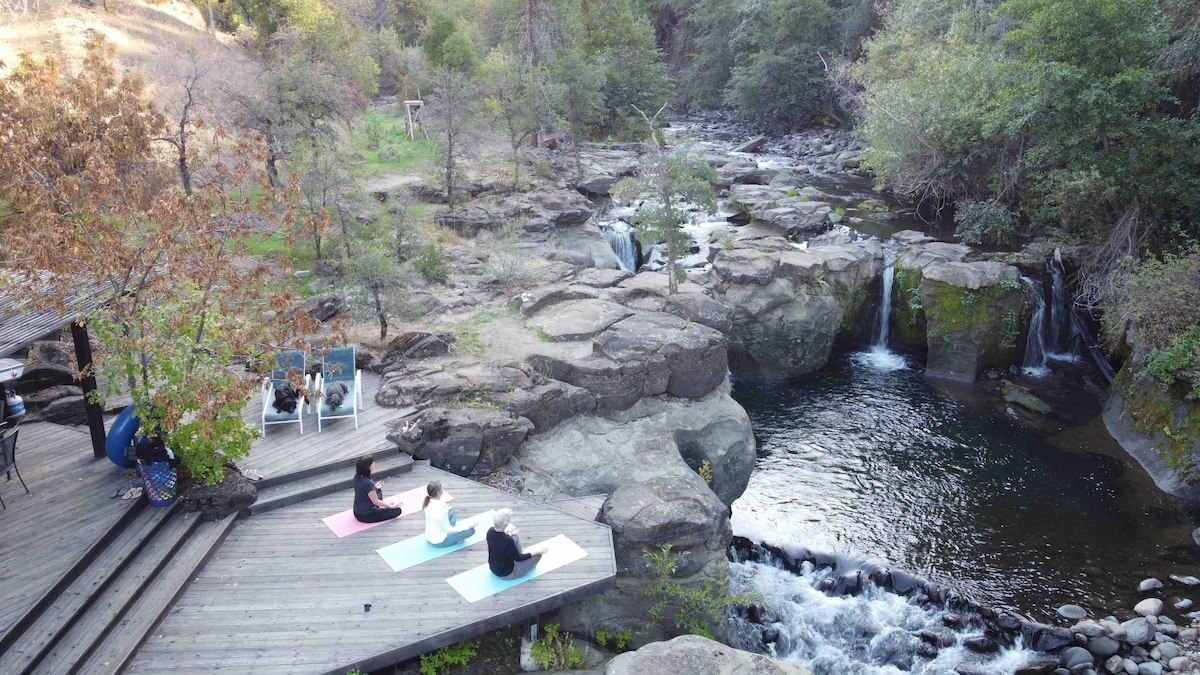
(910, 311)
(1154, 412)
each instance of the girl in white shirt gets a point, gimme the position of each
(441, 526)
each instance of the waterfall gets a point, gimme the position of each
(1034, 362)
(878, 357)
(623, 246)
(880, 335)
(1060, 322)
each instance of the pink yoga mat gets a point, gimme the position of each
(344, 523)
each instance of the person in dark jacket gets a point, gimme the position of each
(505, 558)
(369, 506)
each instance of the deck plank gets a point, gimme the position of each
(283, 593)
(68, 509)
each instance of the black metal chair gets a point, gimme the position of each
(8, 458)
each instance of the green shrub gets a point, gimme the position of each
(618, 639)
(705, 471)
(391, 152)
(555, 651)
(375, 130)
(436, 663)
(430, 262)
(984, 222)
(695, 608)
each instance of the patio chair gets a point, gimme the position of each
(286, 364)
(8, 458)
(337, 366)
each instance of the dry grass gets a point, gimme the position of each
(163, 41)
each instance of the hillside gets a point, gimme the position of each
(162, 40)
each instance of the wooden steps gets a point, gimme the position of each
(112, 655)
(94, 619)
(308, 484)
(48, 626)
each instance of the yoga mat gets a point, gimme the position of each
(416, 550)
(478, 583)
(344, 524)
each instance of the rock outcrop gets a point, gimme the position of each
(646, 458)
(694, 654)
(967, 315)
(789, 305)
(1138, 412)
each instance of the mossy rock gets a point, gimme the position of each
(969, 323)
(908, 311)
(1023, 398)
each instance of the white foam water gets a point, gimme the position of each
(872, 633)
(880, 360)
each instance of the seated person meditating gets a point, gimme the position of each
(441, 523)
(369, 506)
(504, 549)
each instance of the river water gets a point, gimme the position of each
(869, 460)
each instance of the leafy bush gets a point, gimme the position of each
(984, 222)
(390, 152)
(440, 661)
(430, 262)
(619, 639)
(696, 608)
(555, 651)
(1159, 301)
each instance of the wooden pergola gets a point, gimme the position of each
(21, 324)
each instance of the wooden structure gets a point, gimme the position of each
(93, 584)
(412, 119)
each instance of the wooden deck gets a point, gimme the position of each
(45, 533)
(284, 595)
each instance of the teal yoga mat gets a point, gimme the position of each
(416, 550)
(478, 583)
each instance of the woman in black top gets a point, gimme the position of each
(369, 506)
(505, 558)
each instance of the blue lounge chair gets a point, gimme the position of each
(337, 368)
(287, 364)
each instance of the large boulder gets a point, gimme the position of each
(577, 319)
(647, 459)
(701, 309)
(973, 313)
(1137, 412)
(644, 355)
(234, 493)
(791, 306)
(509, 385)
(699, 656)
(322, 307)
(533, 301)
(50, 363)
(465, 441)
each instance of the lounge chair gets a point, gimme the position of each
(337, 368)
(288, 363)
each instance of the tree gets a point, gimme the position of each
(523, 98)
(451, 112)
(670, 179)
(322, 166)
(92, 204)
(375, 277)
(582, 105)
(317, 74)
(778, 74)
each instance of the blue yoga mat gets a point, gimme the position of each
(478, 583)
(416, 550)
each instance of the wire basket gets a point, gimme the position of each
(161, 481)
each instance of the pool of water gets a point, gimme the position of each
(871, 460)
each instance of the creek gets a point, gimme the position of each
(871, 462)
